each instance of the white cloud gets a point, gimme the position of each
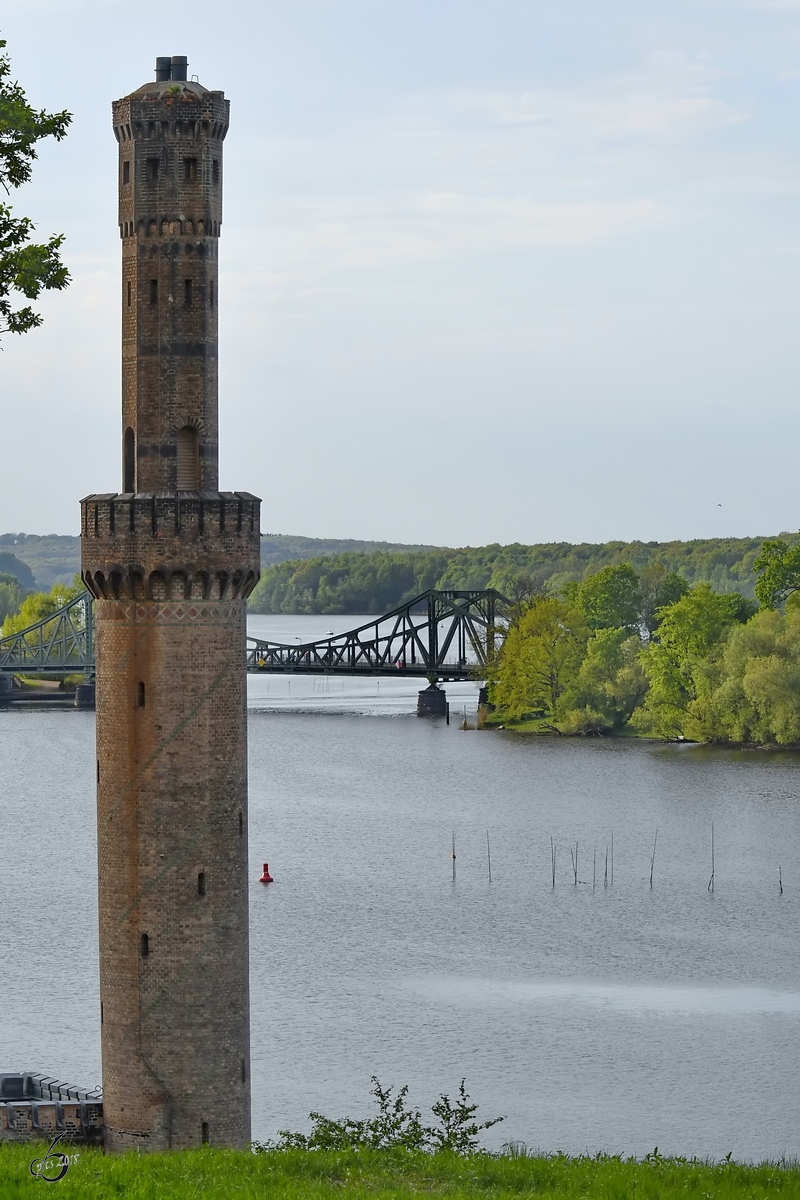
(670, 97)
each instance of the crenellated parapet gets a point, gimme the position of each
(173, 546)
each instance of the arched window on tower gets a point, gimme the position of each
(129, 460)
(188, 459)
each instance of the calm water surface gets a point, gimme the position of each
(614, 1017)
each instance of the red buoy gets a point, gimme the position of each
(266, 877)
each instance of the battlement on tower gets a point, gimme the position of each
(176, 546)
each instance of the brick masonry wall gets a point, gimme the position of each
(172, 859)
(170, 214)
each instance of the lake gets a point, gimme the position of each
(593, 1015)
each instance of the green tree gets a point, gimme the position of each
(609, 687)
(26, 268)
(757, 698)
(540, 658)
(609, 599)
(680, 664)
(12, 593)
(659, 588)
(38, 605)
(778, 568)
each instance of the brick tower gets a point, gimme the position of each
(170, 561)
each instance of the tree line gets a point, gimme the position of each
(647, 653)
(375, 582)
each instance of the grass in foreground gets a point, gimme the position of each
(386, 1174)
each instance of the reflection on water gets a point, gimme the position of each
(656, 999)
(616, 1017)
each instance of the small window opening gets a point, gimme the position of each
(187, 293)
(244, 1072)
(98, 770)
(188, 478)
(129, 293)
(190, 169)
(101, 1012)
(215, 170)
(201, 883)
(129, 462)
(241, 823)
(141, 695)
(211, 293)
(154, 291)
(126, 172)
(151, 172)
(144, 945)
(204, 1133)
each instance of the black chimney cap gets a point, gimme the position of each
(163, 69)
(179, 64)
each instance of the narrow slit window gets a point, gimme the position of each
(154, 291)
(151, 172)
(98, 770)
(211, 294)
(126, 172)
(201, 883)
(144, 945)
(141, 695)
(241, 823)
(188, 477)
(204, 1133)
(190, 169)
(129, 462)
(244, 1072)
(101, 1012)
(129, 293)
(187, 293)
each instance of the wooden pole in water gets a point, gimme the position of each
(594, 869)
(780, 880)
(710, 887)
(653, 859)
(605, 877)
(574, 862)
(612, 857)
(553, 859)
(489, 856)
(454, 856)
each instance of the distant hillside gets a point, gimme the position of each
(55, 558)
(280, 547)
(378, 581)
(344, 575)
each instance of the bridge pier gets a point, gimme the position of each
(432, 702)
(84, 695)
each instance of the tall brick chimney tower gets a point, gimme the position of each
(170, 561)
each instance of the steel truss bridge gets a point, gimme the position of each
(442, 635)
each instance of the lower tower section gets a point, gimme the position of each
(170, 574)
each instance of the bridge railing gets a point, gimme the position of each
(439, 634)
(442, 634)
(61, 643)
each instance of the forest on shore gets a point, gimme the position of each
(646, 653)
(376, 582)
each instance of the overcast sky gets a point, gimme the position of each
(491, 270)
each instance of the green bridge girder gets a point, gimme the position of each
(445, 635)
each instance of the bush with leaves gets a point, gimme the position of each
(395, 1127)
(26, 268)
